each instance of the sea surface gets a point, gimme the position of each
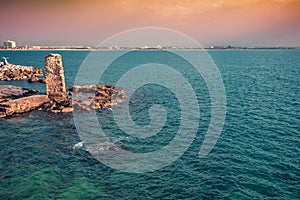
(257, 155)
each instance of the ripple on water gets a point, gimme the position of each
(256, 156)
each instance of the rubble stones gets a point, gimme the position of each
(11, 72)
(96, 96)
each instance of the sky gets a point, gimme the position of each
(210, 22)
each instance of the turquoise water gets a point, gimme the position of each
(256, 157)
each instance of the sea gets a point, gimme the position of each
(256, 156)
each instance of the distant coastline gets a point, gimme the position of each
(143, 48)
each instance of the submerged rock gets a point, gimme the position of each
(96, 96)
(33, 79)
(12, 92)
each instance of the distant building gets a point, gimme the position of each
(36, 47)
(10, 44)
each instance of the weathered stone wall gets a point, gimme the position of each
(55, 79)
(22, 105)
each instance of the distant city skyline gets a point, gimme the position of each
(251, 23)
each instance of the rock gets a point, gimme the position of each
(13, 92)
(68, 109)
(55, 111)
(55, 79)
(33, 79)
(42, 80)
(10, 72)
(16, 100)
(96, 96)
(17, 106)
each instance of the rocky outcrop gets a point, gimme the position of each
(16, 100)
(8, 92)
(11, 72)
(96, 96)
(21, 105)
(36, 80)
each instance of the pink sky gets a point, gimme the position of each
(210, 22)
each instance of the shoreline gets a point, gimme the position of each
(151, 49)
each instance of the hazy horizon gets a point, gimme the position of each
(210, 22)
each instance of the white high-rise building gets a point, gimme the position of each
(10, 44)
